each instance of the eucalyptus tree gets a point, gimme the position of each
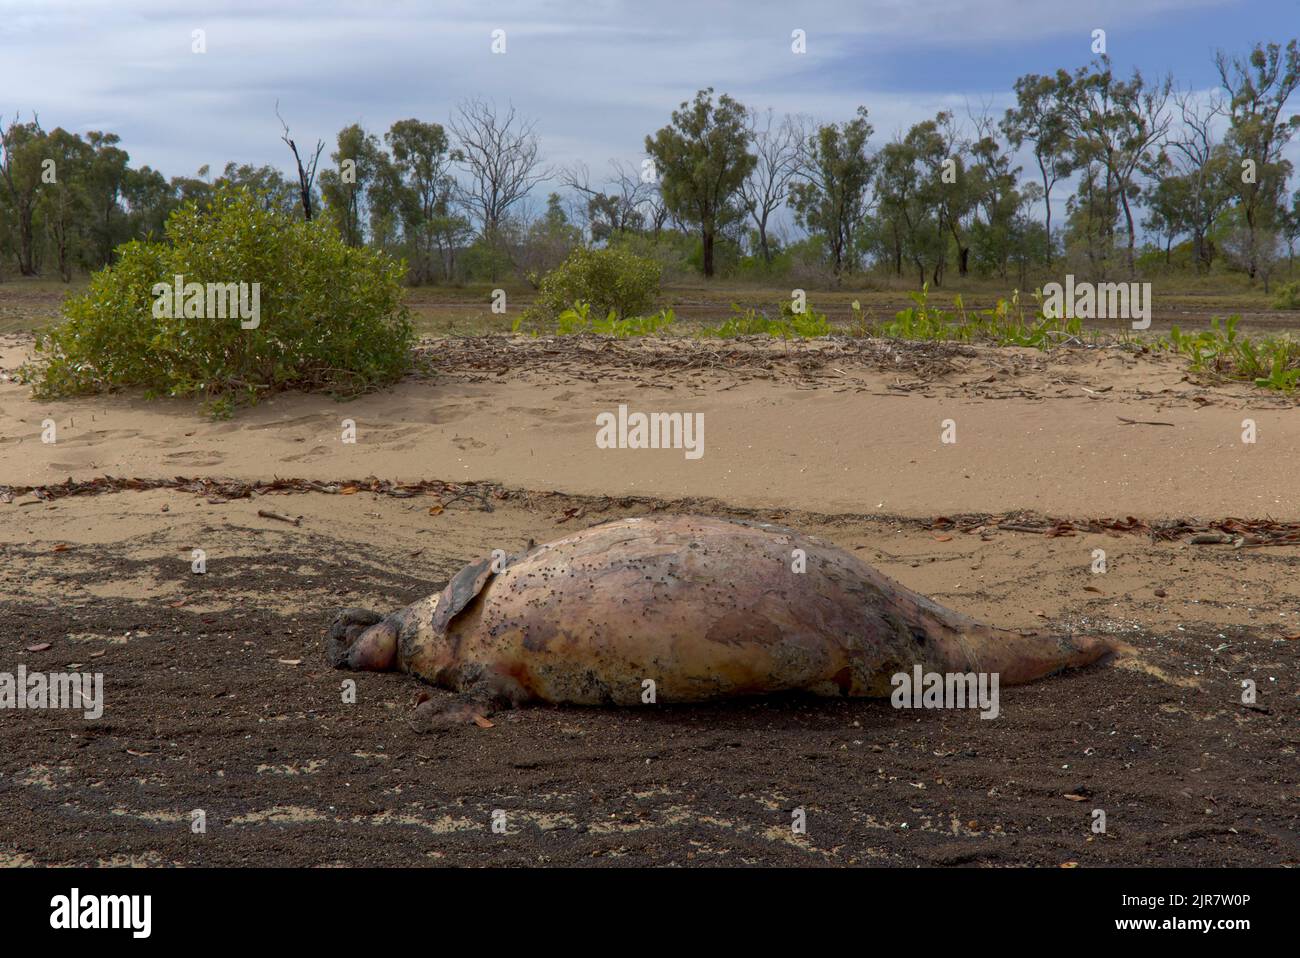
(1258, 88)
(620, 206)
(358, 161)
(1168, 201)
(269, 184)
(1038, 119)
(62, 199)
(960, 182)
(998, 201)
(22, 152)
(149, 200)
(1118, 125)
(1291, 228)
(908, 202)
(831, 197)
(702, 160)
(418, 185)
(105, 178)
(1194, 183)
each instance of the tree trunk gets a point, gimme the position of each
(1047, 203)
(26, 266)
(708, 254)
(1250, 226)
(1128, 221)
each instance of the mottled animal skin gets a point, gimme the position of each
(704, 608)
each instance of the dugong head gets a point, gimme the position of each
(363, 640)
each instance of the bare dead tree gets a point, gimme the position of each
(780, 148)
(622, 205)
(501, 159)
(1204, 163)
(658, 210)
(577, 178)
(306, 172)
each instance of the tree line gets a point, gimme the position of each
(1202, 176)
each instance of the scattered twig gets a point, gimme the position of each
(1141, 422)
(268, 514)
(487, 506)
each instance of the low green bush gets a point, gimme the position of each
(607, 279)
(1005, 324)
(1270, 363)
(577, 321)
(788, 325)
(328, 316)
(1287, 296)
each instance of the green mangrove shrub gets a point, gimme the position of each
(238, 301)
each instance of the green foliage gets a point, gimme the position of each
(703, 159)
(577, 321)
(1272, 362)
(359, 165)
(831, 202)
(610, 280)
(726, 255)
(788, 325)
(672, 250)
(331, 316)
(1005, 324)
(1287, 296)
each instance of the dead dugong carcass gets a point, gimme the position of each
(706, 608)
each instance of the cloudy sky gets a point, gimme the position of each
(597, 75)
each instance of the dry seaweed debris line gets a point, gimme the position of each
(223, 490)
(499, 355)
(1240, 533)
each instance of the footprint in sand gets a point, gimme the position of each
(97, 436)
(448, 413)
(311, 455)
(300, 421)
(394, 432)
(467, 442)
(195, 457)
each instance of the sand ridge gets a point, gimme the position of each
(1032, 431)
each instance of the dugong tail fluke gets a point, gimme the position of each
(693, 607)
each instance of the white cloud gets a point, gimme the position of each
(597, 75)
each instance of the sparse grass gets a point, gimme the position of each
(788, 324)
(1287, 296)
(27, 304)
(1269, 357)
(577, 320)
(1004, 324)
(1272, 362)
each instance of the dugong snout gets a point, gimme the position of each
(362, 640)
